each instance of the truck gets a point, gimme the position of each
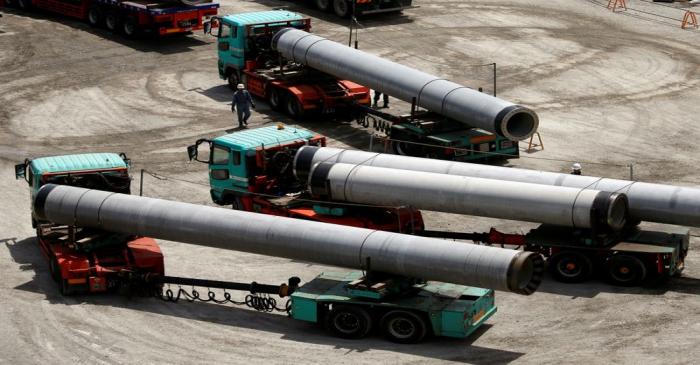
(245, 56)
(422, 133)
(347, 8)
(132, 18)
(88, 260)
(251, 170)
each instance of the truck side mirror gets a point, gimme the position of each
(192, 152)
(207, 28)
(20, 171)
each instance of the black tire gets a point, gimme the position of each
(403, 327)
(570, 267)
(95, 17)
(65, 288)
(407, 149)
(293, 107)
(232, 80)
(342, 8)
(323, 5)
(130, 27)
(236, 204)
(25, 5)
(625, 270)
(347, 321)
(276, 98)
(112, 21)
(54, 270)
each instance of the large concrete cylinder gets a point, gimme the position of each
(647, 202)
(393, 253)
(562, 206)
(447, 98)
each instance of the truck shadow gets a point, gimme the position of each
(177, 43)
(590, 289)
(26, 253)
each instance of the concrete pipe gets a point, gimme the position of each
(647, 202)
(330, 244)
(447, 98)
(561, 206)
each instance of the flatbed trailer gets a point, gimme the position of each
(632, 257)
(347, 8)
(131, 17)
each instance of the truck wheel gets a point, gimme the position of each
(276, 99)
(294, 108)
(94, 16)
(403, 327)
(112, 21)
(348, 322)
(130, 27)
(55, 270)
(570, 267)
(232, 79)
(341, 8)
(323, 5)
(626, 270)
(66, 289)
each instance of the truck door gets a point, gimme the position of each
(226, 170)
(229, 47)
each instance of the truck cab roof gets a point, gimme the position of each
(262, 17)
(79, 162)
(267, 137)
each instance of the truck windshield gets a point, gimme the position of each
(117, 182)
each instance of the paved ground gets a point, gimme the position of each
(615, 89)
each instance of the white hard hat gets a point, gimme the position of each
(576, 166)
(240, 86)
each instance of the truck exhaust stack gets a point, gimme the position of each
(393, 253)
(447, 98)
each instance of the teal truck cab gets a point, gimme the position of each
(245, 55)
(88, 260)
(252, 171)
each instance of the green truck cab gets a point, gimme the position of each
(103, 171)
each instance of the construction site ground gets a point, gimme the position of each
(612, 90)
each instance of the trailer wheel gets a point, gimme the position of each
(323, 5)
(403, 327)
(276, 98)
(130, 27)
(112, 21)
(294, 108)
(94, 16)
(626, 270)
(570, 267)
(350, 322)
(341, 8)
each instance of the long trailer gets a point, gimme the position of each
(245, 56)
(131, 17)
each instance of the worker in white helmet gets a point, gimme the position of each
(242, 102)
(576, 169)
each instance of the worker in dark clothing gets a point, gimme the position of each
(576, 169)
(242, 102)
(377, 94)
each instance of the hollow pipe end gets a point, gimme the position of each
(517, 122)
(277, 36)
(611, 210)
(40, 200)
(303, 161)
(525, 273)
